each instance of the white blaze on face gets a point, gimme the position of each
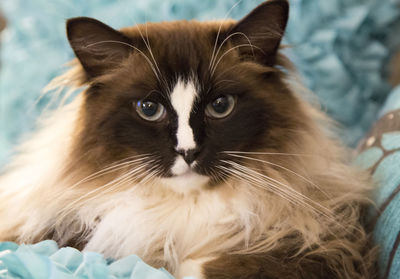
(184, 180)
(182, 99)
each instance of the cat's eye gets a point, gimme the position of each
(150, 111)
(220, 107)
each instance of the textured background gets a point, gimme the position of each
(340, 47)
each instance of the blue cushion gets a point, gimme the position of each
(381, 155)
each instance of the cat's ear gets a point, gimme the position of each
(263, 28)
(97, 46)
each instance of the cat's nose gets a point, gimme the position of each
(189, 155)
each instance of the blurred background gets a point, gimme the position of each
(344, 50)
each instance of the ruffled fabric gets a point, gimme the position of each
(46, 260)
(342, 48)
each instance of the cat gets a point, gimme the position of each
(192, 146)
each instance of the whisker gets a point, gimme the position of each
(226, 39)
(71, 206)
(132, 175)
(133, 47)
(240, 175)
(226, 52)
(283, 185)
(113, 167)
(284, 168)
(147, 43)
(219, 32)
(117, 181)
(299, 199)
(278, 191)
(270, 153)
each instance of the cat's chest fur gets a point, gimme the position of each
(167, 230)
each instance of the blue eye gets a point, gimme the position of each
(221, 106)
(149, 110)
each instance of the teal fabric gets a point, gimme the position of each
(391, 141)
(385, 234)
(388, 176)
(392, 102)
(45, 260)
(369, 158)
(383, 159)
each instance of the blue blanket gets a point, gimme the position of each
(381, 155)
(45, 260)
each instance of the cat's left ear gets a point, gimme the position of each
(263, 28)
(98, 47)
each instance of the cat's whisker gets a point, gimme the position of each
(112, 168)
(69, 209)
(260, 183)
(135, 173)
(147, 43)
(133, 47)
(219, 33)
(244, 177)
(115, 183)
(152, 172)
(270, 153)
(290, 191)
(292, 195)
(227, 52)
(256, 182)
(284, 168)
(285, 186)
(215, 176)
(219, 48)
(224, 41)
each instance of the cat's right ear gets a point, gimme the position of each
(97, 46)
(258, 35)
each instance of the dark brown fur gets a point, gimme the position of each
(288, 262)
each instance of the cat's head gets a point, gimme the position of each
(175, 97)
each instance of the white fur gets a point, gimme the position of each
(185, 179)
(36, 171)
(180, 167)
(192, 268)
(182, 100)
(185, 227)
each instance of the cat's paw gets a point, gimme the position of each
(192, 268)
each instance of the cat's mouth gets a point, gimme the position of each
(181, 167)
(185, 183)
(188, 172)
(184, 177)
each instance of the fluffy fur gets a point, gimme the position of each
(287, 209)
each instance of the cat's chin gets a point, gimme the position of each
(186, 183)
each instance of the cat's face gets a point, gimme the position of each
(184, 93)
